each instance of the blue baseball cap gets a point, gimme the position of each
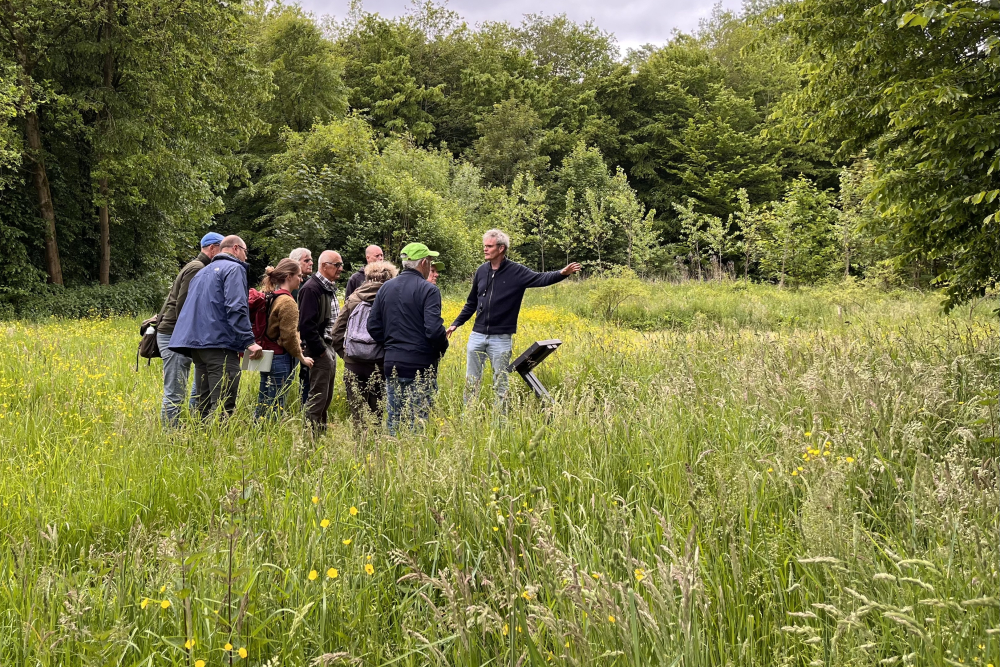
(211, 239)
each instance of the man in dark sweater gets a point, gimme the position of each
(318, 310)
(372, 254)
(497, 290)
(177, 366)
(406, 319)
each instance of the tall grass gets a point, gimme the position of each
(801, 478)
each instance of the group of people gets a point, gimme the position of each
(389, 332)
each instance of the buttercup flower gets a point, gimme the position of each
(332, 573)
(347, 541)
(324, 523)
(315, 500)
(313, 574)
(369, 568)
(242, 652)
(353, 510)
(165, 604)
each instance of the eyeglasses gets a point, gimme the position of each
(308, 261)
(339, 265)
(240, 247)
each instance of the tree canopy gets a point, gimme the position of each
(794, 142)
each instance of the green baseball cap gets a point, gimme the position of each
(415, 251)
(438, 266)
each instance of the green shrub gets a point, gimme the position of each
(126, 298)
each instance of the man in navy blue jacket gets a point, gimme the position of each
(497, 290)
(406, 319)
(213, 327)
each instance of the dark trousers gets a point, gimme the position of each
(321, 377)
(365, 392)
(217, 380)
(303, 385)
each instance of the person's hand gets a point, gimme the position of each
(307, 362)
(571, 268)
(449, 331)
(256, 351)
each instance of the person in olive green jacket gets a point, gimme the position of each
(177, 366)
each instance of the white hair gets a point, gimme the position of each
(299, 253)
(412, 263)
(499, 237)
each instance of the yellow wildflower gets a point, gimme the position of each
(332, 573)
(144, 603)
(495, 529)
(369, 569)
(242, 652)
(526, 595)
(165, 604)
(163, 588)
(640, 574)
(770, 469)
(353, 510)
(596, 575)
(189, 644)
(313, 575)
(850, 459)
(315, 500)
(347, 541)
(808, 434)
(506, 629)
(800, 468)
(324, 523)
(611, 619)
(795, 473)
(228, 647)
(495, 489)
(199, 663)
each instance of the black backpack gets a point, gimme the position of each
(149, 349)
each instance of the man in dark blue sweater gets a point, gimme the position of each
(497, 290)
(406, 319)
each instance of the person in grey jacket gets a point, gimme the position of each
(177, 366)
(214, 327)
(497, 290)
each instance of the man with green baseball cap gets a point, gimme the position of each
(414, 251)
(406, 319)
(436, 269)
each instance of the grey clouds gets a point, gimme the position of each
(633, 22)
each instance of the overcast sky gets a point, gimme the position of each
(634, 22)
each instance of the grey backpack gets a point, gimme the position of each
(358, 343)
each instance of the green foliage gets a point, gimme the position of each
(508, 144)
(799, 243)
(613, 289)
(918, 91)
(305, 71)
(124, 299)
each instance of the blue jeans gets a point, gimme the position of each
(495, 347)
(274, 386)
(176, 368)
(409, 399)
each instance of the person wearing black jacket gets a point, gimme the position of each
(372, 254)
(406, 319)
(318, 309)
(497, 291)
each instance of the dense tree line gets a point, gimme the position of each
(784, 143)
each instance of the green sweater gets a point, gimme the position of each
(178, 293)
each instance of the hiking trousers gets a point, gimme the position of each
(217, 379)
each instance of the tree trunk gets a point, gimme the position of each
(41, 179)
(847, 262)
(104, 270)
(103, 214)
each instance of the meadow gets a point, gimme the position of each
(729, 474)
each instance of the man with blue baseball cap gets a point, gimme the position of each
(176, 366)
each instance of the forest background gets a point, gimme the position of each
(794, 143)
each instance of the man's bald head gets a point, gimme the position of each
(330, 264)
(374, 254)
(234, 246)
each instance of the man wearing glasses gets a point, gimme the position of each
(304, 257)
(318, 310)
(213, 327)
